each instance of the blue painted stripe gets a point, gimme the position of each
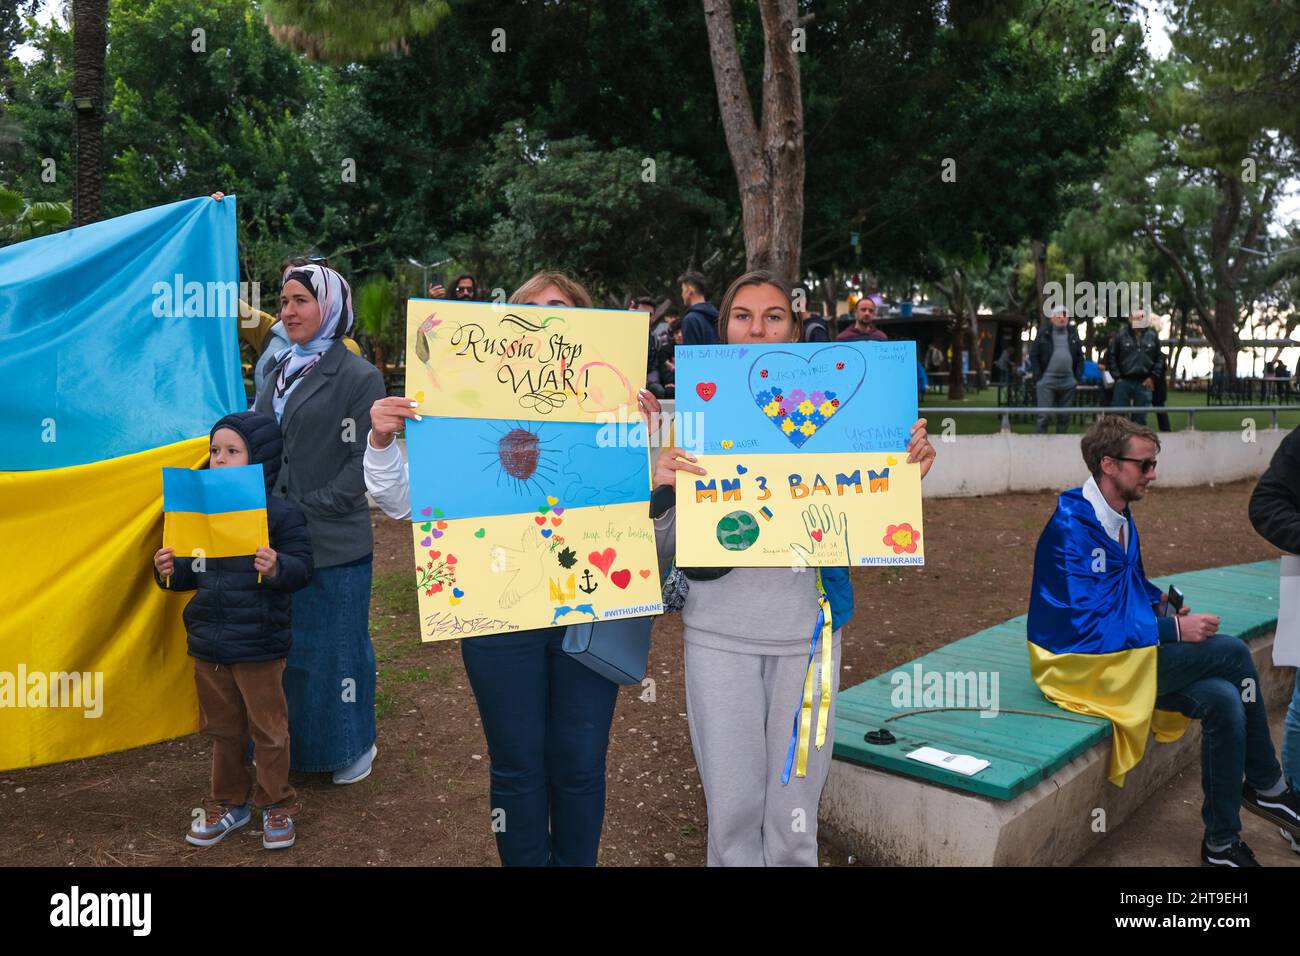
(472, 467)
(214, 491)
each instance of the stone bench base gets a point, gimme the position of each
(888, 819)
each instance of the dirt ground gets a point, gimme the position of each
(427, 801)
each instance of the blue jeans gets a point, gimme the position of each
(1128, 392)
(1206, 682)
(546, 718)
(1291, 737)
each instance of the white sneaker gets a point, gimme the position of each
(359, 770)
(1286, 835)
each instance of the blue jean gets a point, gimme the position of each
(1291, 737)
(546, 718)
(1206, 682)
(1128, 392)
(329, 677)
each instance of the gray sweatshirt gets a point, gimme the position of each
(748, 611)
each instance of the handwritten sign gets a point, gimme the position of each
(524, 513)
(492, 360)
(805, 449)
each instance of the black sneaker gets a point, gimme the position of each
(1236, 855)
(1282, 810)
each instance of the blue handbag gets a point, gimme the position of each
(617, 649)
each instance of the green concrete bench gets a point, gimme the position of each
(1027, 753)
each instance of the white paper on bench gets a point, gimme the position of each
(961, 763)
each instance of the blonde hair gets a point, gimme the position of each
(756, 277)
(567, 284)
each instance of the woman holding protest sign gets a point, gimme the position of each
(545, 715)
(321, 395)
(747, 648)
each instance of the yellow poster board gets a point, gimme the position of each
(800, 510)
(494, 360)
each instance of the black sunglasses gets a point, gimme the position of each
(1148, 464)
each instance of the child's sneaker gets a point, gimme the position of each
(277, 829)
(217, 823)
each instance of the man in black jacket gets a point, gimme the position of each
(1136, 360)
(700, 323)
(1056, 358)
(1275, 514)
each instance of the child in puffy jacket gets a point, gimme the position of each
(238, 630)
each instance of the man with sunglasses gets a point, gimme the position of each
(1095, 620)
(463, 289)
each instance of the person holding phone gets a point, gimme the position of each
(1095, 619)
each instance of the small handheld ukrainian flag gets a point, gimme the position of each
(216, 512)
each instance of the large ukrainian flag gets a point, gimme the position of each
(118, 352)
(1092, 631)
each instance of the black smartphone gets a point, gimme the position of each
(1174, 601)
(437, 279)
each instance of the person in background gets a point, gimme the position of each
(864, 324)
(1056, 358)
(654, 352)
(464, 288)
(815, 327)
(700, 321)
(1137, 361)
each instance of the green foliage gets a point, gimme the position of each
(375, 305)
(20, 219)
(344, 30)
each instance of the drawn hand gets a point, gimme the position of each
(828, 539)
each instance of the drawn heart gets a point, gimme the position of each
(891, 460)
(551, 500)
(546, 532)
(644, 572)
(426, 511)
(419, 397)
(791, 390)
(540, 519)
(602, 560)
(817, 535)
(706, 390)
(453, 601)
(480, 532)
(727, 443)
(543, 509)
(559, 510)
(622, 578)
(556, 522)
(425, 542)
(741, 469)
(451, 559)
(441, 526)
(458, 592)
(426, 526)
(438, 513)
(435, 555)
(437, 533)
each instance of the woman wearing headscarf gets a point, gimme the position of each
(321, 395)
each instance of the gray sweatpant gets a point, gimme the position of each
(740, 709)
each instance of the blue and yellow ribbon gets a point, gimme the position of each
(797, 755)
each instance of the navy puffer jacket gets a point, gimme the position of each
(233, 619)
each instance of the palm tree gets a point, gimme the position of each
(89, 42)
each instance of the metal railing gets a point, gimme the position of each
(1006, 411)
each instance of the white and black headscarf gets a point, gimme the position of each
(332, 292)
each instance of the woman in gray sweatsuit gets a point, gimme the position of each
(747, 637)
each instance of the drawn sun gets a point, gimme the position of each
(521, 455)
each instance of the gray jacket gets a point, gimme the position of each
(325, 424)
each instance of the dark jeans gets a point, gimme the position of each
(546, 718)
(1057, 395)
(1206, 682)
(1131, 393)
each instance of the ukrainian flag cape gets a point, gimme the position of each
(116, 356)
(1092, 630)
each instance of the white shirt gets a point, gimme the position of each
(1111, 520)
(388, 479)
